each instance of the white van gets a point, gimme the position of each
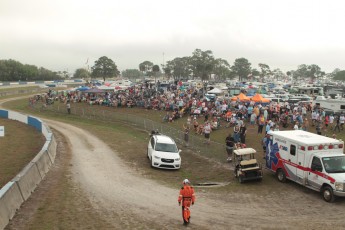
(312, 160)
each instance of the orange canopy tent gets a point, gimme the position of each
(258, 98)
(240, 97)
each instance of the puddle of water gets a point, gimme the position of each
(211, 184)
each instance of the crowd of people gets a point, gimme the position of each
(189, 103)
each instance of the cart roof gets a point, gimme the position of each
(244, 151)
(303, 137)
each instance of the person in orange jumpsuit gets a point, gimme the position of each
(187, 197)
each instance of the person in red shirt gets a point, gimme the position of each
(187, 197)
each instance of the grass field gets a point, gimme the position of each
(131, 142)
(17, 148)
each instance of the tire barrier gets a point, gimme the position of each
(19, 189)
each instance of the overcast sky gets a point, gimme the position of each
(63, 34)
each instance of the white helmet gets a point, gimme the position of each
(186, 181)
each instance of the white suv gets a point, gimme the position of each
(163, 152)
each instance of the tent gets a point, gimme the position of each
(258, 98)
(240, 97)
(82, 88)
(215, 91)
(94, 90)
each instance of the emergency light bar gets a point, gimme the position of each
(320, 147)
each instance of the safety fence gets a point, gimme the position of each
(19, 189)
(213, 150)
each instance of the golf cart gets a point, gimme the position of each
(246, 166)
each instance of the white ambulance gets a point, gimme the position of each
(312, 160)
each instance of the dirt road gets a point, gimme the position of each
(112, 188)
(126, 200)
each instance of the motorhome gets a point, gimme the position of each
(309, 90)
(120, 84)
(330, 105)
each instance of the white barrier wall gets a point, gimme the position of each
(10, 201)
(17, 116)
(19, 189)
(28, 179)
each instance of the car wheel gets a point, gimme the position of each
(327, 194)
(281, 175)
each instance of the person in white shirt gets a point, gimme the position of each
(331, 120)
(342, 121)
(207, 132)
(296, 126)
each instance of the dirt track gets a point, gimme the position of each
(113, 188)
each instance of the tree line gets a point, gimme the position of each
(201, 64)
(11, 70)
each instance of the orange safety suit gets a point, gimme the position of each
(187, 197)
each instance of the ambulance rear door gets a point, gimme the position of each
(300, 167)
(292, 161)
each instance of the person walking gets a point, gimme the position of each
(187, 198)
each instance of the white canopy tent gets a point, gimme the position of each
(215, 91)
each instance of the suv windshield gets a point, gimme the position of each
(334, 164)
(166, 147)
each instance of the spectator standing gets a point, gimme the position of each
(230, 143)
(337, 124)
(207, 132)
(342, 121)
(252, 119)
(237, 133)
(318, 128)
(268, 127)
(296, 126)
(243, 133)
(326, 122)
(261, 123)
(331, 120)
(186, 129)
(68, 106)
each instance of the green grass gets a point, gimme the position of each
(18, 147)
(130, 141)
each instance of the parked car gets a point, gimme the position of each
(210, 96)
(163, 152)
